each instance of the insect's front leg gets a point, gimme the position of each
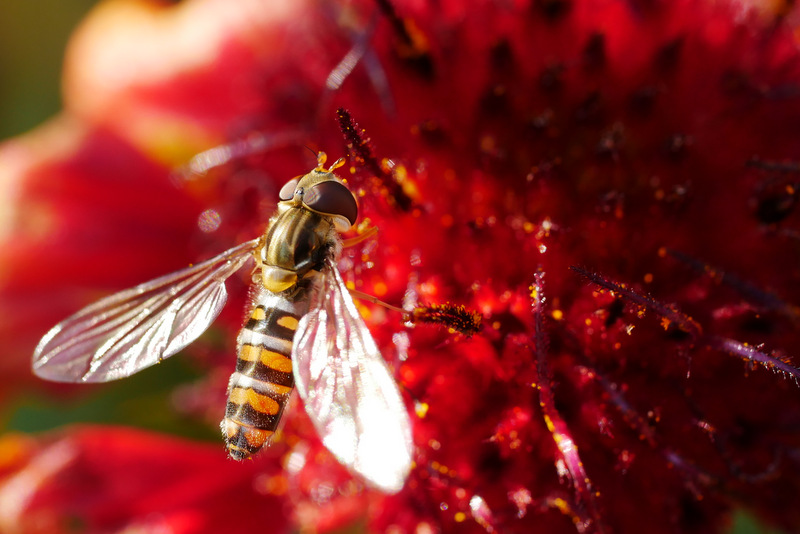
(257, 255)
(369, 232)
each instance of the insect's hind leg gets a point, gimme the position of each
(355, 293)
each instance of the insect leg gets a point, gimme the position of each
(356, 294)
(369, 232)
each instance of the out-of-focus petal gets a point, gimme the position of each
(83, 213)
(190, 69)
(120, 480)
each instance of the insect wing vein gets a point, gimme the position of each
(348, 389)
(136, 328)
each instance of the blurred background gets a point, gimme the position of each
(32, 39)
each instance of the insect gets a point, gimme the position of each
(303, 330)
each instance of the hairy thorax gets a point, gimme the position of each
(297, 242)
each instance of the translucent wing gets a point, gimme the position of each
(348, 390)
(122, 334)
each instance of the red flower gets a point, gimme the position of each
(651, 146)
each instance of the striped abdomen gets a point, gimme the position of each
(259, 389)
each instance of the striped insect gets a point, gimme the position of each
(303, 330)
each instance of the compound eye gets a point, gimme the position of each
(287, 191)
(332, 198)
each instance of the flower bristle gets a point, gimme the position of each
(781, 364)
(671, 316)
(411, 47)
(583, 507)
(454, 317)
(764, 300)
(359, 146)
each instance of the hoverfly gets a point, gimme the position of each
(303, 330)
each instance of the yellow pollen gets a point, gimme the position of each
(379, 289)
(561, 504)
(549, 423)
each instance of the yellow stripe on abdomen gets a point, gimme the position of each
(260, 403)
(268, 358)
(287, 321)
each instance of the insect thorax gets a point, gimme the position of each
(298, 240)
